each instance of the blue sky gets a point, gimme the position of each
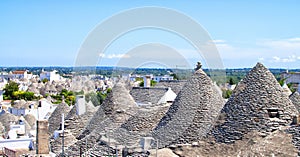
(50, 33)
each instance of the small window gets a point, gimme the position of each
(273, 113)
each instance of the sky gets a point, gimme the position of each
(51, 33)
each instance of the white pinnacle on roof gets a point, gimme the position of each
(169, 96)
(286, 89)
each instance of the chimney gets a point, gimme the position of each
(80, 105)
(147, 81)
(42, 138)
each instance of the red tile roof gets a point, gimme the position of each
(19, 72)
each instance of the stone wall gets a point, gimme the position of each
(42, 137)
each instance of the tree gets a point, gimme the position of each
(231, 81)
(45, 80)
(108, 90)
(290, 85)
(17, 95)
(281, 82)
(152, 83)
(98, 97)
(9, 89)
(174, 76)
(95, 98)
(226, 93)
(69, 97)
(79, 93)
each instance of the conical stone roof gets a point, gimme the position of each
(115, 110)
(55, 118)
(295, 98)
(257, 103)
(6, 119)
(30, 119)
(192, 114)
(118, 101)
(1, 128)
(74, 125)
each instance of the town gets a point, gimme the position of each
(141, 115)
(149, 78)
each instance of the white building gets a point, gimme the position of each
(50, 75)
(41, 111)
(163, 78)
(147, 81)
(1, 95)
(45, 108)
(21, 74)
(23, 87)
(134, 77)
(3, 82)
(168, 97)
(292, 77)
(20, 143)
(80, 105)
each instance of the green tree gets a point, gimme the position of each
(108, 90)
(152, 83)
(281, 82)
(9, 89)
(226, 93)
(29, 96)
(79, 93)
(45, 80)
(290, 85)
(96, 98)
(174, 76)
(231, 81)
(69, 97)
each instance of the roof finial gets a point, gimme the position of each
(198, 66)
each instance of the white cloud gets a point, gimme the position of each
(112, 56)
(101, 55)
(291, 44)
(294, 39)
(289, 59)
(218, 41)
(276, 59)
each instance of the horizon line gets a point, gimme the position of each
(58, 66)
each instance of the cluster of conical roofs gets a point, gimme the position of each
(258, 105)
